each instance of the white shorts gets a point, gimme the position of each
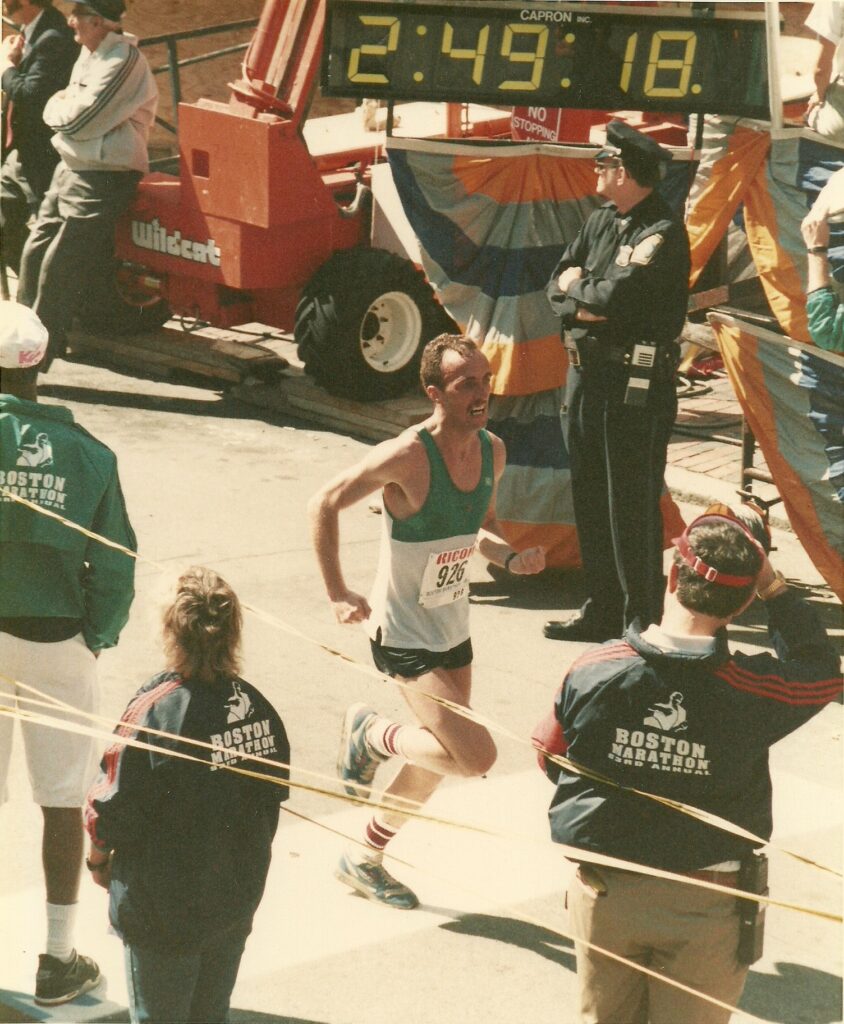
(61, 763)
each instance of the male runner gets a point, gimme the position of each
(438, 482)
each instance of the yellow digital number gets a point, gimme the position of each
(477, 56)
(373, 49)
(627, 66)
(536, 58)
(657, 63)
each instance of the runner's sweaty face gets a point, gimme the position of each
(465, 391)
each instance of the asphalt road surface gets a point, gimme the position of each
(209, 481)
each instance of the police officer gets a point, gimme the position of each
(621, 290)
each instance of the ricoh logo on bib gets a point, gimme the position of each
(153, 235)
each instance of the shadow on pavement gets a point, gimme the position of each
(795, 993)
(559, 591)
(534, 938)
(18, 1008)
(213, 406)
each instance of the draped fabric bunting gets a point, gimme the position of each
(491, 221)
(792, 396)
(774, 180)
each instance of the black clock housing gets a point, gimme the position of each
(576, 55)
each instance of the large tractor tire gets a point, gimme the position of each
(121, 309)
(362, 322)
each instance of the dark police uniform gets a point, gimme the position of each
(635, 275)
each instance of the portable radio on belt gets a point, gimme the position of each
(641, 364)
(753, 877)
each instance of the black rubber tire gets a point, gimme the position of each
(114, 315)
(333, 315)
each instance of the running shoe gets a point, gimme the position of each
(57, 982)
(357, 762)
(373, 881)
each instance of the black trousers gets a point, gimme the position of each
(21, 192)
(70, 249)
(617, 456)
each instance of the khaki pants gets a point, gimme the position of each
(689, 934)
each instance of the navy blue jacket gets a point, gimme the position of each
(192, 841)
(41, 73)
(694, 728)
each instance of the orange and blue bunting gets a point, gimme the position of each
(792, 396)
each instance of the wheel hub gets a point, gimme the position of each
(390, 332)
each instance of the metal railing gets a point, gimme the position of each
(174, 65)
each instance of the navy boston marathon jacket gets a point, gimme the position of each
(192, 842)
(694, 728)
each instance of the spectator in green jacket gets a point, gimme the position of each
(824, 309)
(64, 597)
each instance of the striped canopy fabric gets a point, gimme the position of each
(491, 221)
(771, 180)
(792, 396)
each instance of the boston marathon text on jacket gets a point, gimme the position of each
(48, 459)
(192, 841)
(635, 273)
(694, 728)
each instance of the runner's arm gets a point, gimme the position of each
(383, 465)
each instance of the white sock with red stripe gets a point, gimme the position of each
(376, 836)
(385, 737)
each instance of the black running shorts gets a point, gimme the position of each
(410, 663)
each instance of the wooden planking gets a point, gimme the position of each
(210, 352)
(299, 396)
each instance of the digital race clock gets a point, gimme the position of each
(584, 55)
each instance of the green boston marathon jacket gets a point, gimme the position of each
(48, 569)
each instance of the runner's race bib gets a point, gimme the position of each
(446, 577)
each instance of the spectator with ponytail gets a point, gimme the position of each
(181, 841)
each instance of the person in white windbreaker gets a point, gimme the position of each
(101, 123)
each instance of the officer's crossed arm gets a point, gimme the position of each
(638, 274)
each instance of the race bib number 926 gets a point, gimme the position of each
(446, 577)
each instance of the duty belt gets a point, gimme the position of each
(599, 352)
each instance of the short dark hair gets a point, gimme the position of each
(726, 547)
(12, 379)
(431, 368)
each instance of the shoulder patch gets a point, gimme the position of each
(646, 250)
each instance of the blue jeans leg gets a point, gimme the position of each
(182, 988)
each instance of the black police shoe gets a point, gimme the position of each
(578, 629)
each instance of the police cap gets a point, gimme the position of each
(640, 154)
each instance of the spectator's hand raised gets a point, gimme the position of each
(815, 229)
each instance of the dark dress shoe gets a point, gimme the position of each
(578, 629)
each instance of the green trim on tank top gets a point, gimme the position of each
(448, 511)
